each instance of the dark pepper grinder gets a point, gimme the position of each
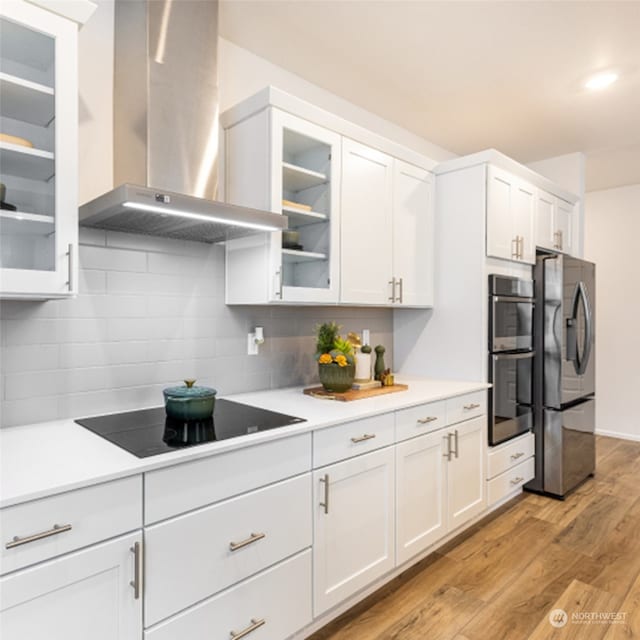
(379, 365)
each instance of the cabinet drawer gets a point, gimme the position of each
(191, 557)
(467, 406)
(83, 517)
(416, 421)
(510, 481)
(505, 456)
(280, 596)
(351, 439)
(175, 490)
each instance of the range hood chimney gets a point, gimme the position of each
(166, 128)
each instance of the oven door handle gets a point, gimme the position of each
(514, 356)
(512, 299)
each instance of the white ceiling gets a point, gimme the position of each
(469, 75)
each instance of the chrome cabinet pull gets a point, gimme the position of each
(234, 546)
(70, 281)
(279, 276)
(449, 452)
(515, 456)
(255, 624)
(514, 252)
(54, 531)
(401, 287)
(366, 436)
(392, 297)
(325, 504)
(470, 407)
(561, 239)
(427, 420)
(138, 560)
(517, 480)
(455, 439)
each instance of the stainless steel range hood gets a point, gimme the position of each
(166, 128)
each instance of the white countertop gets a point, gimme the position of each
(51, 457)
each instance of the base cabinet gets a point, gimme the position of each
(270, 606)
(420, 494)
(439, 485)
(83, 595)
(466, 496)
(354, 518)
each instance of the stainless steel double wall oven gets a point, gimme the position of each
(511, 352)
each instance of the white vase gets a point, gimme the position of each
(363, 366)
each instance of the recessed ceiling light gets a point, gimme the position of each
(601, 80)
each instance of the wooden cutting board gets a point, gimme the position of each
(353, 394)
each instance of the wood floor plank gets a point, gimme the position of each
(491, 568)
(577, 598)
(515, 613)
(630, 609)
(563, 512)
(605, 445)
(438, 618)
(591, 527)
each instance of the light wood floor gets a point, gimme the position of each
(503, 577)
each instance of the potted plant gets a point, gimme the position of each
(336, 365)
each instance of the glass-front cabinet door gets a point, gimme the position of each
(38, 152)
(306, 187)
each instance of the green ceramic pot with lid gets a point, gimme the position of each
(189, 402)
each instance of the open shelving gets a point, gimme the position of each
(300, 217)
(296, 178)
(18, 223)
(25, 100)
(20, 161)
(293, 256)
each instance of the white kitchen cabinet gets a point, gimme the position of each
(466, 495)
(509, 466)
(413, 235)
(421, 474)
(367, 227)
(510, 217)
(354, 515)
(285, 164)
(86, 594)
(387, 229)
(39, 85)
(226, 543)
(555, 219)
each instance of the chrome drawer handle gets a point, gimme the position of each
(255, 624)
(427, 420)
(517, 480)
(54, 531)
(366, 436)
(234, 546)
(469, 407)
(515, 456)
(325, 504)
(138, 572)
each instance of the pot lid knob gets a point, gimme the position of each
(189, 382)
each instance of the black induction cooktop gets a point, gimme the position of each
(148, 432)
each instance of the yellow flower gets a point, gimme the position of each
(341, 360)
(325, 358)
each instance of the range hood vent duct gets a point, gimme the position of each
(166, 128)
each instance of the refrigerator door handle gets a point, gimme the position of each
(583, 361)
(580, 362)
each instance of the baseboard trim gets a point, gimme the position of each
(620, 435)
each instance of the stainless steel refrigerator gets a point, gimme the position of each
(564, 373)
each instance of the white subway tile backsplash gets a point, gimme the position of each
(151, 313)
(109, 259)
(144, 283)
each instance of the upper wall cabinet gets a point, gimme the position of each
(555, 222)
(387, 229)
(362, 218)
(38, 152)
(282, 163)
(510, 217)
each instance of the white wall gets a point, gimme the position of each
(612, 229)
(242, 74)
